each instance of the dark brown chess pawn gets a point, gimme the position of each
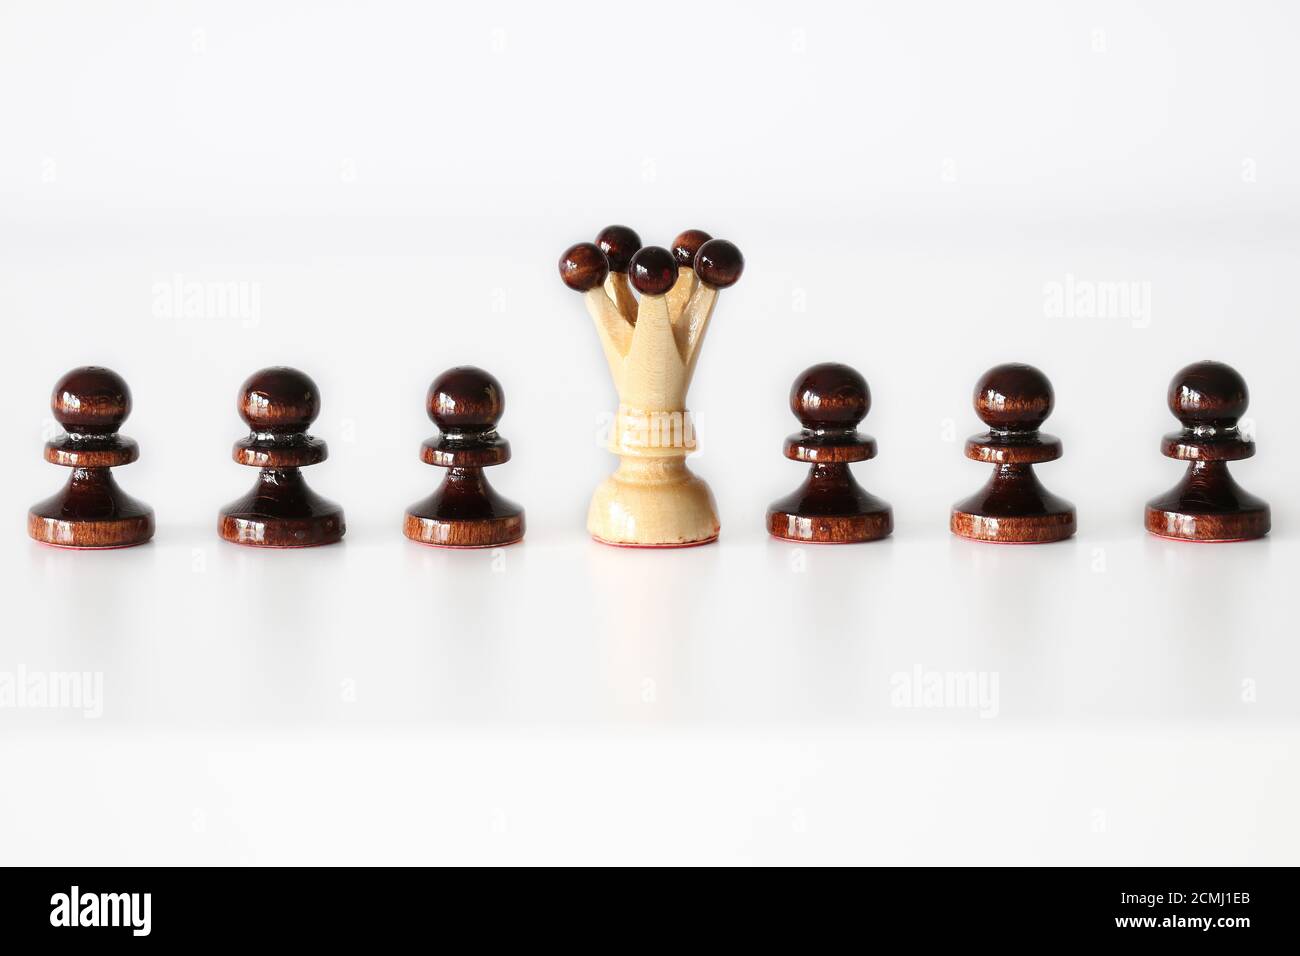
(465, 512)
(91, 511)
(280, 511)
(1013, 508)
(1207, 505)
(830, 507)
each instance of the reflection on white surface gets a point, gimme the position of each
(752, 700)
(190, 631)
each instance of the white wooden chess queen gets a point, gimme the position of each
(652, 344)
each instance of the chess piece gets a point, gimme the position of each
(830, 507)
(465, 512)
(91, 511)
(651, 346)
(280, 511)
(1013, 508)
(1207, 505)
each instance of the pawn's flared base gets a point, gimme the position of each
(1036, 529)
(1208, 505)
(483, 533)
(91, 513)
(1183, 525)
(281, 512)
(830, 507)
(1014, 508)
(465, 512)
(830, 529)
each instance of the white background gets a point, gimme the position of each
(395, 182)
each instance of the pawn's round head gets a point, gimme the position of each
(1014, 397)
(830, 395)
(620, 244)
(91, 400)
(465, 399)
(583, 267)
(1208, 393)
(279, 399)
(719, 264)
(653, 271)
(687, 244)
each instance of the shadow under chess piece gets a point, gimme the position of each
(465, 512)
(1013, 508)
(280, 511)
(91, 511)
(1207, 505)
(651, 345)
(830, 507)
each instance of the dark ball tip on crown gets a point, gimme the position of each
(279, 399)
(583, 267)
(465, 399)
(719, 264)
(620, 244)
(1014, 397)
(653, 271)
(830, 395)
(1208, 393)
(91, 399)
(687, 244)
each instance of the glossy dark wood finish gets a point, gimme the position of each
(719, 264)
(583, 267)
(1208, 398)
(1013, 507)
(91, 511)
(619, 244)
(830, 507)
(653, 271)
(280, 511)
(466, 403)
(687, 244)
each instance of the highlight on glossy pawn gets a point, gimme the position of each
(1013, 507)
(830, 507)
(279, 404)
(91, 512)
(466, 403)
(1208, 399)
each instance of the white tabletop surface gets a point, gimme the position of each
(390, 190)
